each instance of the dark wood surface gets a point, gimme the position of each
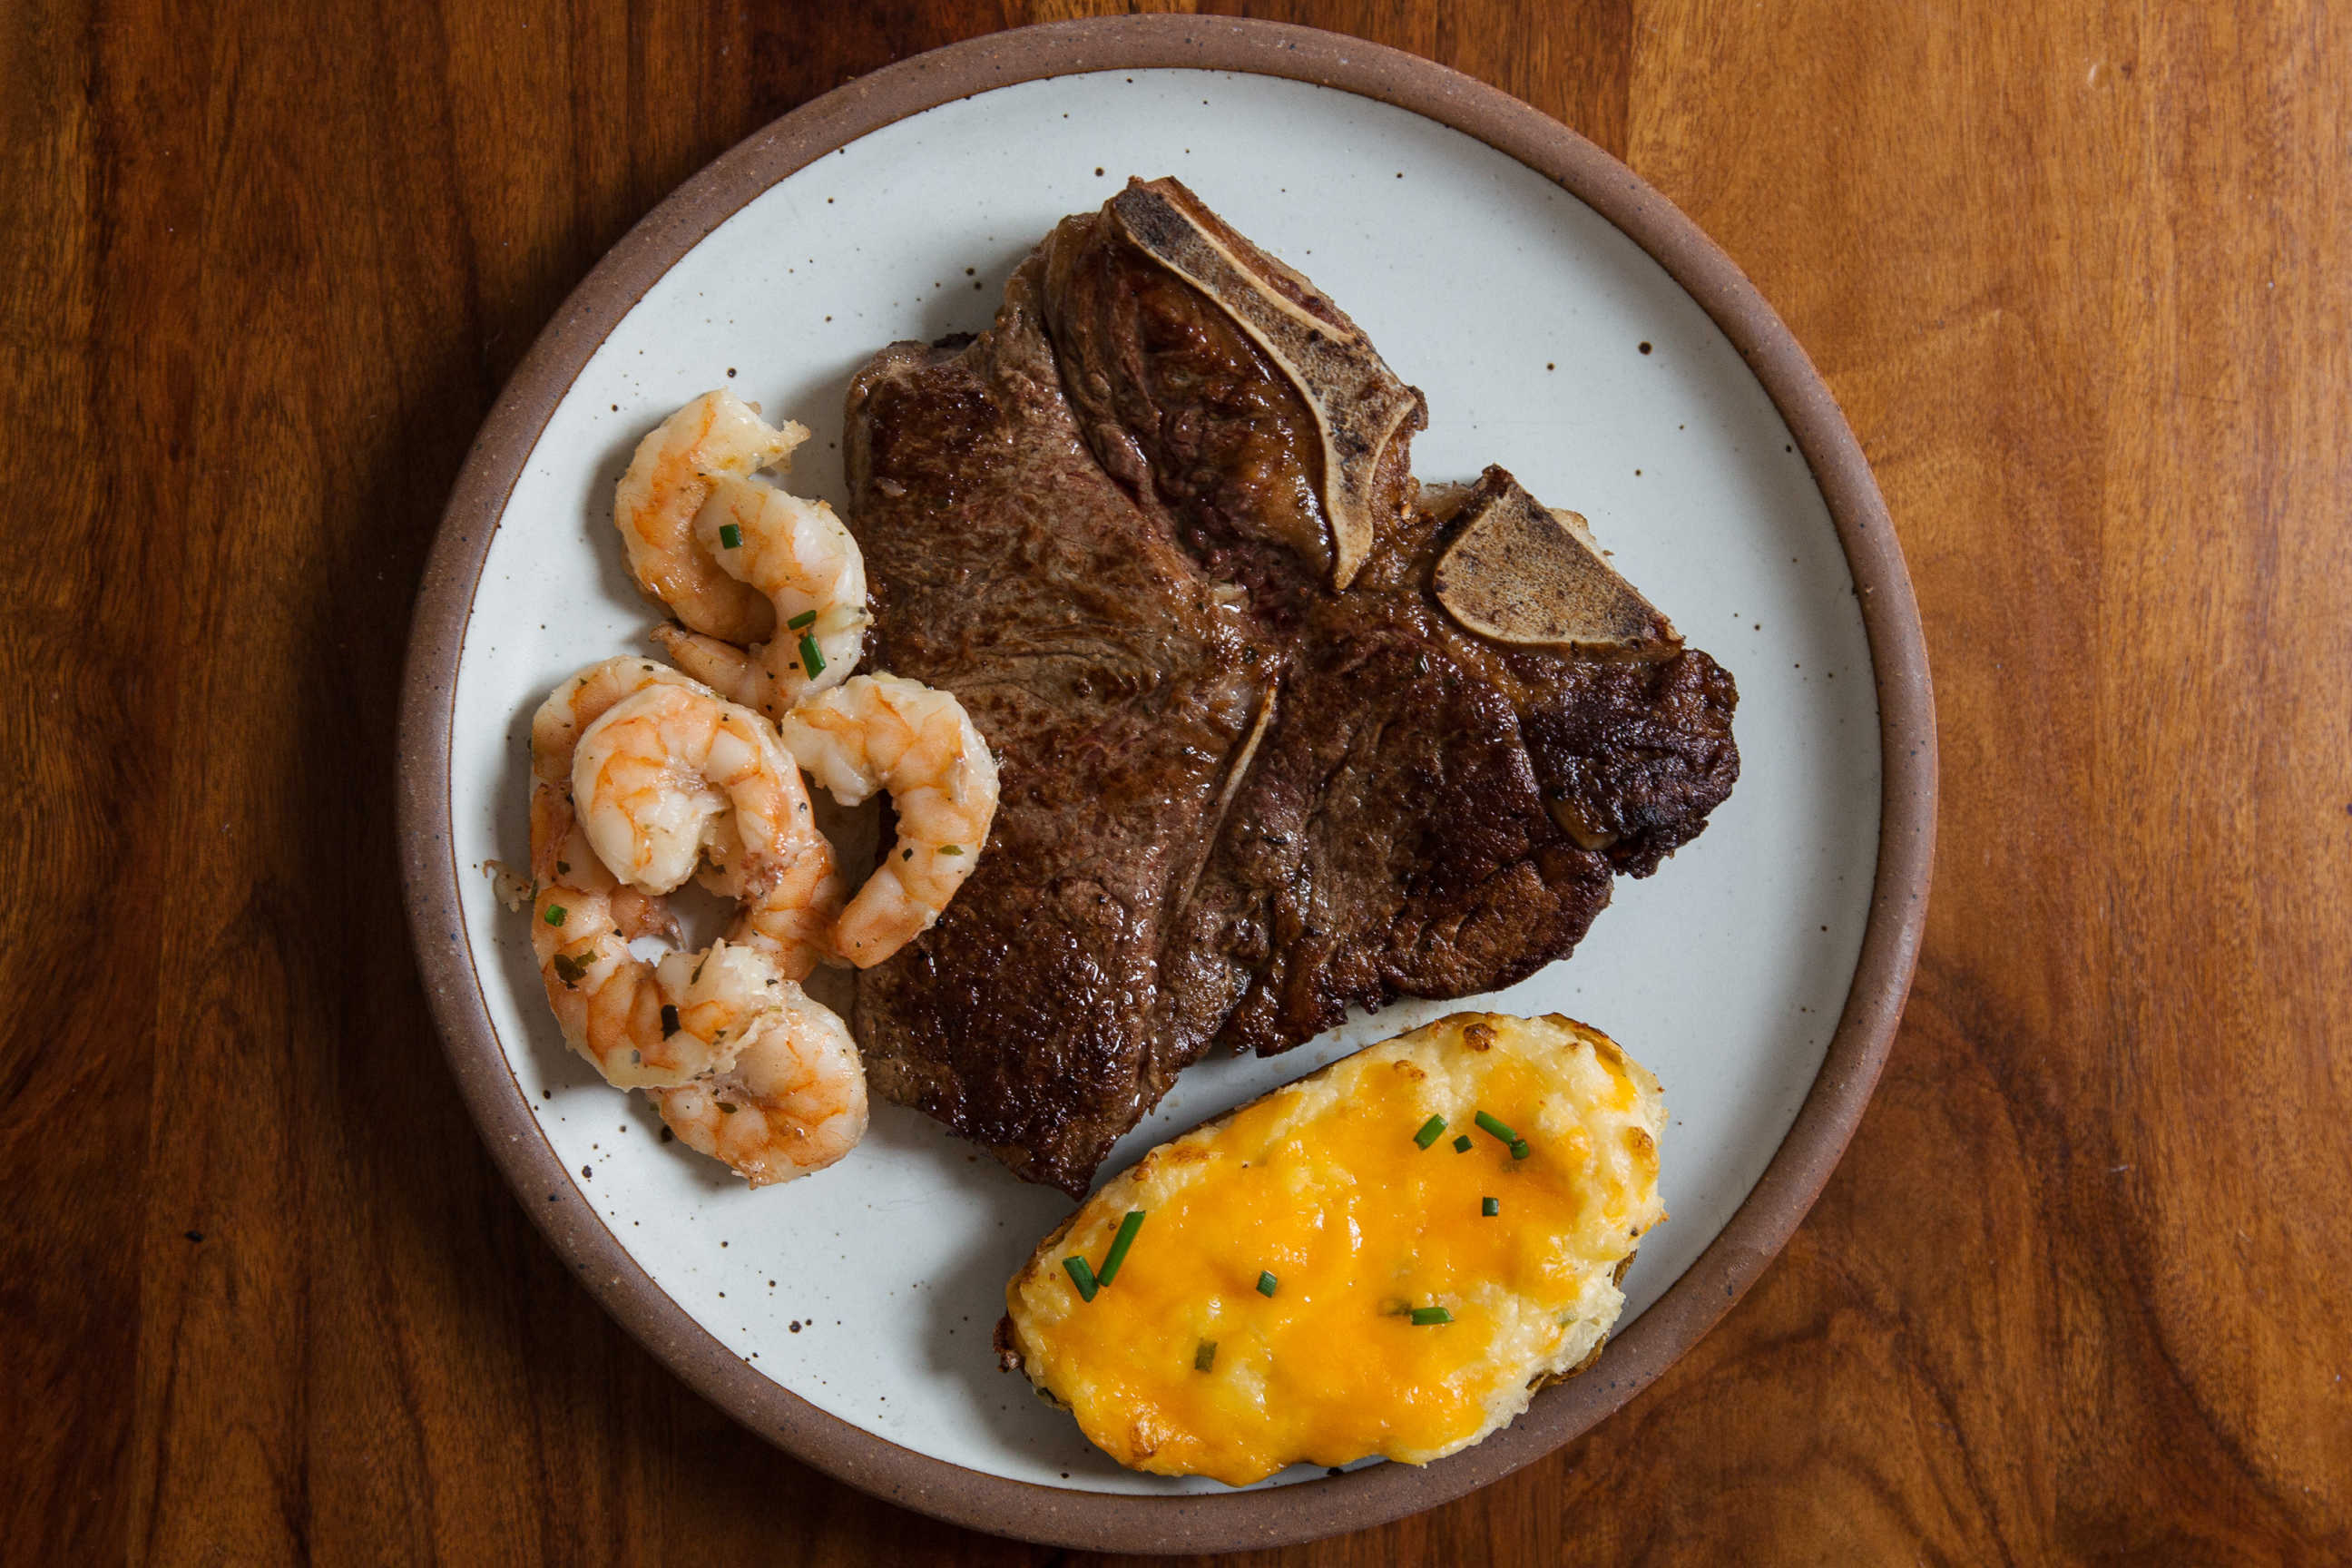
(2080, 275)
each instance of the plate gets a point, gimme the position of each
(1565, 320)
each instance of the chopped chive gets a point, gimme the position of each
(1490, 1208)
(1081, 1276)
(554, 915)
(811, 660)
(1519, 1149)
(670, 1026)
(728, 1107)
(730, 536)
(803, 621)
(1429, 1131)
(908, 854)
(570, 970)
(1462, 1144)
(1118, 1246)
(1266, 1283)
(1205, 1356)
(1424, 1317)
(1489, 1124)
(950, 849)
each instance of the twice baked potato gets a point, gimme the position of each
(1385, 1257)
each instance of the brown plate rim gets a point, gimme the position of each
(1858, 1051)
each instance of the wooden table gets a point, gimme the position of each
(2080, 275)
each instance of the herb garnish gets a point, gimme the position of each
(1118, 1246)
(1488, 1123)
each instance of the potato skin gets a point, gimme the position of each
(1532, 1292)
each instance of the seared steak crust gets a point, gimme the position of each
(1008, 568)
(1235, 801)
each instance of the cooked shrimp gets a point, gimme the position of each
(561, 855)
(581, 700)
(793, 1102)
(879, 733)
(637, 1023)
(718, 435)
(798, 555)
(672, 776)
(634, 1022)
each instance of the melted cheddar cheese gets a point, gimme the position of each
(1323, 1186)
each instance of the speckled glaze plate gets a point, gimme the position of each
(1564, 321)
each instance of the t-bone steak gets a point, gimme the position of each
(1280, 733)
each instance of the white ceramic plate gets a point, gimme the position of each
(1544, 338)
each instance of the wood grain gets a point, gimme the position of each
(2081, 274)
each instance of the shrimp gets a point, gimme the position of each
(793, 1102)
(797, 553)
(879, 733)
(715, 436)
(639, 1023)
(673, 776)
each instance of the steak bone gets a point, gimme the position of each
(1521, 573)
(1360, 406)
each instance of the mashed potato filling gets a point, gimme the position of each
(1369, 1224)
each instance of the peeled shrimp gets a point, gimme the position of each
(798, 555)
(793, 1102)
(715, 436)
(637, 1023)
(671, 779)
(656, 1024)
(879, 733)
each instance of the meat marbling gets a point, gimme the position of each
(1238, 796)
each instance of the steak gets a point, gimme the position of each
(1279, 733)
